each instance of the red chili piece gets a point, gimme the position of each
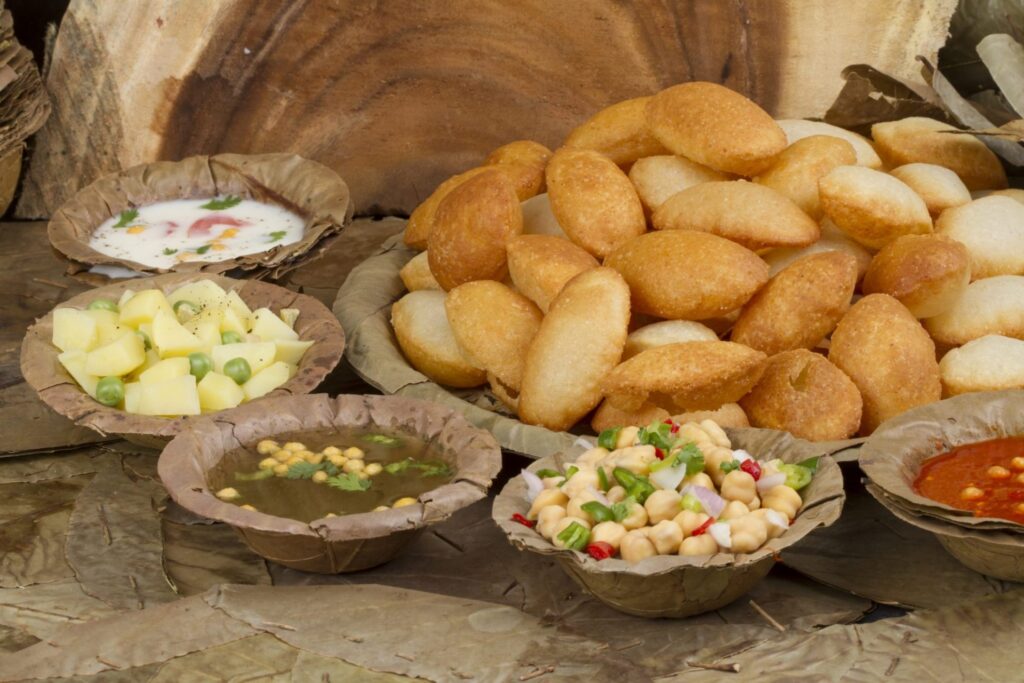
(673, 425)
(522, 520)
(702, 529)
(752, 468)
(659, 453)
(601, 550)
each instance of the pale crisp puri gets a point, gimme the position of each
(540, 265)
(619, 132)
(992, 229)
(938, 186)
(471, 228)
(798, 129)
(928, 141)
(926, 273)
(422, 329)
(538, 218)
(796, 172)
(832, 239)
(578, 344)
(799, 306)
(493, 326)
(607, 416)
(994, 305)
(659, 177)
(593, 200)
(990, 363)
(686, 275)
(872, 207)
(716, 127)
(666, 332)
(728, 415)
(801, 392)
(688, 376)
(421, 221)
(749, 214)
(416, 274)
(888, 355)
(524, 162)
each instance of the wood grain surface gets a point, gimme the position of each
(398, 95)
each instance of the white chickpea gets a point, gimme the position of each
(353, 453)
(267, 447)
(337, 459)
(636, 518)
(374, 468)
(592, 457)
(564, 524)
(662, 505)
(354, 466)
(545, 498)
(783, 499)
(611, 533)
(294, 446)
(636, 459)
(699, 479)
(692, 432)
(332, 451)
(755, 504)
(775, 522)
(635, 546)
(713, 459)
(320, 477)
(581, 481)
(282, 455)
(268, 463)
(548, 518)
(666, 536)
(739, 485)
(404, 502)
(771, 467)
(250, 508)
(748, 533)
(688, 520)
(280, 469)
(294, 460)
(228, 494)
(733, 510)
(552, 482)
(716, 433)
(698, 545)
(576, 503)
(616, 494)
(627, 435)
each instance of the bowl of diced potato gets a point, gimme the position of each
(137, 358)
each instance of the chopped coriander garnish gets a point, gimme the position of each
(168, 251)
(277, 235)
(301, 470)
(349, 482)
(203, 249)
(383, 440)
(225, 203)
(126, 217)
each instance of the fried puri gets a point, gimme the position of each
(802, 393)
(749, 214)
(688, 376)
(797, 170)
(832, 239)
(619, 132)
(994, 305)
(686, 275)
(540, 265)
(989, 363)
(992, 229)
(716, 127)
(888, 355)
(925, 273)
(798, 129)
(938, 186)
(524, 162)
(593, 200)
(799, 306)
(608, 416)
(421, 221)
(416, 273)
(919, 139)
(728, 415)
(471, 228)
(425, 337)
(666, 332)
(579, 342)
(659, 177)
(538, 218)
(872, 207)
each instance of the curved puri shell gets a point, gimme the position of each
(346, 543)
(43, 373)
(306, 187)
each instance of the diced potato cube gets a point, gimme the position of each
(165, 370)
(291, 351)
(205, 294)
(132, 396)
(170, 338)
(117, 358)
(143, 307)
(289, 316)
(235, 303)
(269, 327)
(73, 330)
(258, 354)
(74, 362)
(267, 380)
(219, 392)
(126, 296)
(208, 334)
(108, 326)
(231, 322)
(178, 396)
(152, 358)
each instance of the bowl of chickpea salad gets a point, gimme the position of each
(670, 519)
(330, 485)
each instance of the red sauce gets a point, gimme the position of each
(948, 478)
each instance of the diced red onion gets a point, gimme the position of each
(740, 455)
(722, 533)
(668, 478)
(776, 518)
(770, 481)
(599, 496)
(534, 485)
(712, 503)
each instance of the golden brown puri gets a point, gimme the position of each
(538, 218)
(919, 139)
(992, 229)
(938, 186)
(593, 200)
(832, 239)
(716, 127)
(619, 132)
(872, 207)
(797, 170)
(990, 363)
(798, 129)
(925, 273)
(425, 337)
(686, 275)
(728, 415)
(416, 274)
(751, 215)
(608, 416)
(659, 177)
(801, 392)
(471, 228)
(687, 376)
(578, 344)
(994, 305)
(506, 394)
(540, 265)
(666, 332)
(800, 306)
(524, 162)
(421, 221)
(493, 326)
(888, 355)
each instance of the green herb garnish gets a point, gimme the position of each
(609, 438)
(621, 509)
(302, 470)
(330, 468)
(277, 235)
(657, 434)
(203, 249)
(126, 217)
(574, 536)
(349, 482)
(254, 476)
(168, 251)
(225, 203)
(428, 468)
(729, 466)
(383, 440)
(689, 455)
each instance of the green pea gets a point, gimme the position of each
(230, 337)
(199, 364)
(110, 391)
(238, 369)
(147, 343)
(103, 305)
(185, 309)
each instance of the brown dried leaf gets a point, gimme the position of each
(197, 557)
(870, 96)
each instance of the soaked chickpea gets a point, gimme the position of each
(972, 493)
(294, 446)
(268, 464)
(331, 452)
(997, 472)
(354, 466)
(228, 494)
(320, 477)
(267, 447)
(336, 459)
(404, 502)
(548, 519)
(294, 460)
(281, 469)
(374, 468)
(592, 457)
(545, 498)
(282, 455)
(354, 453)
(363, 475)
(315, 458)
(250, 508)
(627, 435)
(1017, 463)
(616, 494)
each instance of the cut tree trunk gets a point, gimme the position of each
(397, 95)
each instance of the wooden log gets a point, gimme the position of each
(398, 95)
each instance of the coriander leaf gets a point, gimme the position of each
(203, 249)
(225, 203)
(302, 470)
(729, 466)
(383, 440)
(349, 482)
(168, 251)
(330, 468)
(277, 235)
(435, 469)
(691, 455)
(398, 467)
(126, 217)
(657, 434)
